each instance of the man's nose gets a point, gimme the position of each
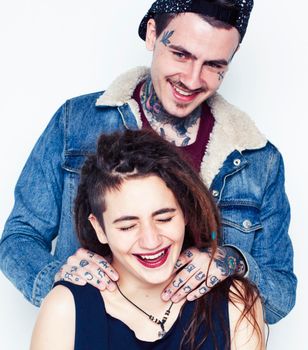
(192, 77)
(150, 237)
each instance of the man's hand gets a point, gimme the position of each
(196, 277)
(87, 267)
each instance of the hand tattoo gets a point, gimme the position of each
(83, 263)
(88, 276)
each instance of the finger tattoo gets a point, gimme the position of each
(68, 276)
(188, 253)
(83, 263)
(187, 289)
(88, 276)
(101, 273)
(104, 264)
(90, 254)
(214, 280)
(190, 267)
(74, 269)
(178, 264)
(176, 284)
(200, 276)
(203, 290)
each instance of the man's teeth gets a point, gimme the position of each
(152, 257)
(184, 93)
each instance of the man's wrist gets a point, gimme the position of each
(235, 257)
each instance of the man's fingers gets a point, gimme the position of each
(186, 256)
(198, 292)
(87, 257)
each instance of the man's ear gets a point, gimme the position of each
(98, 229)
(150, 37)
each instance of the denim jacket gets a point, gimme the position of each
(242, 169)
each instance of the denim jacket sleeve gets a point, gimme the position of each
(26, 243)
(270, 259)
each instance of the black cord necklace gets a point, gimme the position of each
(161, 323)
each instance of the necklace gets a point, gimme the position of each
(161, 322)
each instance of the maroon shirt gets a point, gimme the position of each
(195, 151)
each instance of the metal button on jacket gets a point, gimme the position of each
(237, 162)
(215, 193)
(247, 224)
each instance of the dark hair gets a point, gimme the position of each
(162, 20)
(134, 154)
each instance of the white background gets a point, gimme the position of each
(52, 50)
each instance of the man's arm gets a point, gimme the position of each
(25, 246)
(270, 261)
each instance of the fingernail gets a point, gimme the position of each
(166, 295)
(191, 297)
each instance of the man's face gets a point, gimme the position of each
(190, 59)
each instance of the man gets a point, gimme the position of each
(193, 43)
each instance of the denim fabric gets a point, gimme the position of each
(249, 190)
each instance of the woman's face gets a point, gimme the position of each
(144, 227)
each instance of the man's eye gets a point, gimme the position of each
(179, 54)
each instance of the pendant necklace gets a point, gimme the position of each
(161, 322)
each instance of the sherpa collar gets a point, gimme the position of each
(233, 129)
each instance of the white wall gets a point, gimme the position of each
(53, 50)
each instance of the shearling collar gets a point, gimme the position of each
(233, 129)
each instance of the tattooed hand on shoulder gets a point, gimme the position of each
(87, 267)
(196, 277)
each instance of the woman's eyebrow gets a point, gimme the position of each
(125, 218)
(163, 211)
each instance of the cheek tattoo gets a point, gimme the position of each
(221, 75)
(166, 36)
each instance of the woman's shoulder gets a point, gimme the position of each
(55, 325)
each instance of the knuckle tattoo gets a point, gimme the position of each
(178, 264)
(176, 284)
(190, 267)
(188, 253)
(90, 254)
(200, 276)
(101, 273)
(68, 276)
(214, 280)
(187, 289)
(203, 290)
(103, 263)
(83, 263)
(88, 276)
(74, 269)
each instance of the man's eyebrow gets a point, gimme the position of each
(181, 49)
(164, 211)
(221, 62)
(125, 218)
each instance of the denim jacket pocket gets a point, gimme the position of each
(73, 162)
(240, 224)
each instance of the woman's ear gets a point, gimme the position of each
(98, 229)
(150, 37)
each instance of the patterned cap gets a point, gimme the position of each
(237, 15)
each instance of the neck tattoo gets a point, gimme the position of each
(161, 322)
(160, 119)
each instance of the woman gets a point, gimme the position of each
(140, 204)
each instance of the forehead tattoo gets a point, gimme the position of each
(166, 36)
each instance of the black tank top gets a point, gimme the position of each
(97, 330)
